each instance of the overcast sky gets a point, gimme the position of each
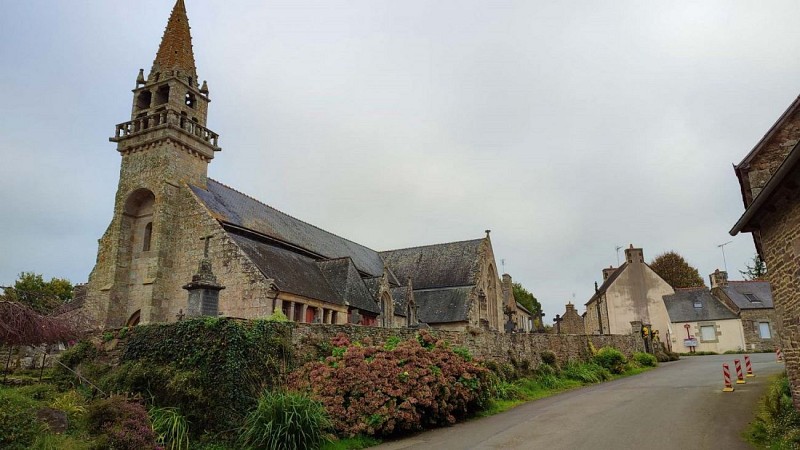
(568, 128)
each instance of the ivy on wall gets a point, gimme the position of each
(228, 362)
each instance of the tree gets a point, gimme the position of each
(756, 272)
(42, 296)
(526, 299)
(676, 271)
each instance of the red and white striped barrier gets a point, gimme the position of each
(726, 377)
(739, 375)
(779, 355)
(748, 366)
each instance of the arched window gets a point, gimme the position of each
(148, 235)
(133, 320)
(190, 100)
(162, 95)
(386, 310)
(143, 100)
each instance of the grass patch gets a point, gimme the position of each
(549, 382)
(353, 443)
(777, 422)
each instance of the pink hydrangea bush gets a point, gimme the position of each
(383, 390)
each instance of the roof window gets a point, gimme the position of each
(698, 304)
(752, 298)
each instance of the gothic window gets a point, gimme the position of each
(148, 234)
(133, 320)
(386, 312)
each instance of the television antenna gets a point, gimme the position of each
(722, 247)
(617, 248)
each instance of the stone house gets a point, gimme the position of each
(769, 178)
(571, 321)
(630, 296)
(697, 314)
(752, 303)
(169, 218)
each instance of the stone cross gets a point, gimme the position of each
(207, 239)
(558, 320)
(541, 321)
(180, 315)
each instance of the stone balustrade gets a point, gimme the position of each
(163, 119)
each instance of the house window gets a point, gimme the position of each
(698, 304)
(752, 298)
(763, 330)
(708, 333)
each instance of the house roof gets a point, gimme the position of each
(443, 305)
(292, 272)
(344, 279)
(745, 293)
(681, 306)
(436, 266)
(786, 170)
(234, 208)
(607, 283)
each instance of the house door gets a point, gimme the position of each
(310, 313)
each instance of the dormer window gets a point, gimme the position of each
(752, 298)
(698, 304)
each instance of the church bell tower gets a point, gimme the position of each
(165, 148)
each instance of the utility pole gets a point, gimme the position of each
(722, 247)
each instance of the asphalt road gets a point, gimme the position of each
(679, 405)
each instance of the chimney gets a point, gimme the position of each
(607, 272)
(570, 307)
(508, 291)
(718, 279)
(634, 255)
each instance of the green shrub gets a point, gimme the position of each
(120, 424)
(215, 367)
(777, 424)
(463, 352)
(611, 359)
(285, 420)
(586, 372)
(71, 402)
(507, 391)
(47, 441)
(549, 358)
(18, 425)
(277, 316)
(170, 427)
(645, 359)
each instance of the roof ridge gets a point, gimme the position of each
(290, 216)
(431, 245)
(748, 281)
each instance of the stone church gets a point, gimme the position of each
(174, 230)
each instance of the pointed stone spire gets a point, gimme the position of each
(175, 52)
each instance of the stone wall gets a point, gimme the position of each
(752, 336)
(780, 235)
(499, 347)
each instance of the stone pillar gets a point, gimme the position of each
(318, 315)
(291, 311)
(303, 310)
(278, 305)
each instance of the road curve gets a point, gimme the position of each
(679, 405)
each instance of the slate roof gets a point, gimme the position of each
(436, 266)
(234, 208)
(291, 271)
(608, 282)
(442, 305)
(345, 280)
(399, 299)
(680, 306)
(736, 290)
